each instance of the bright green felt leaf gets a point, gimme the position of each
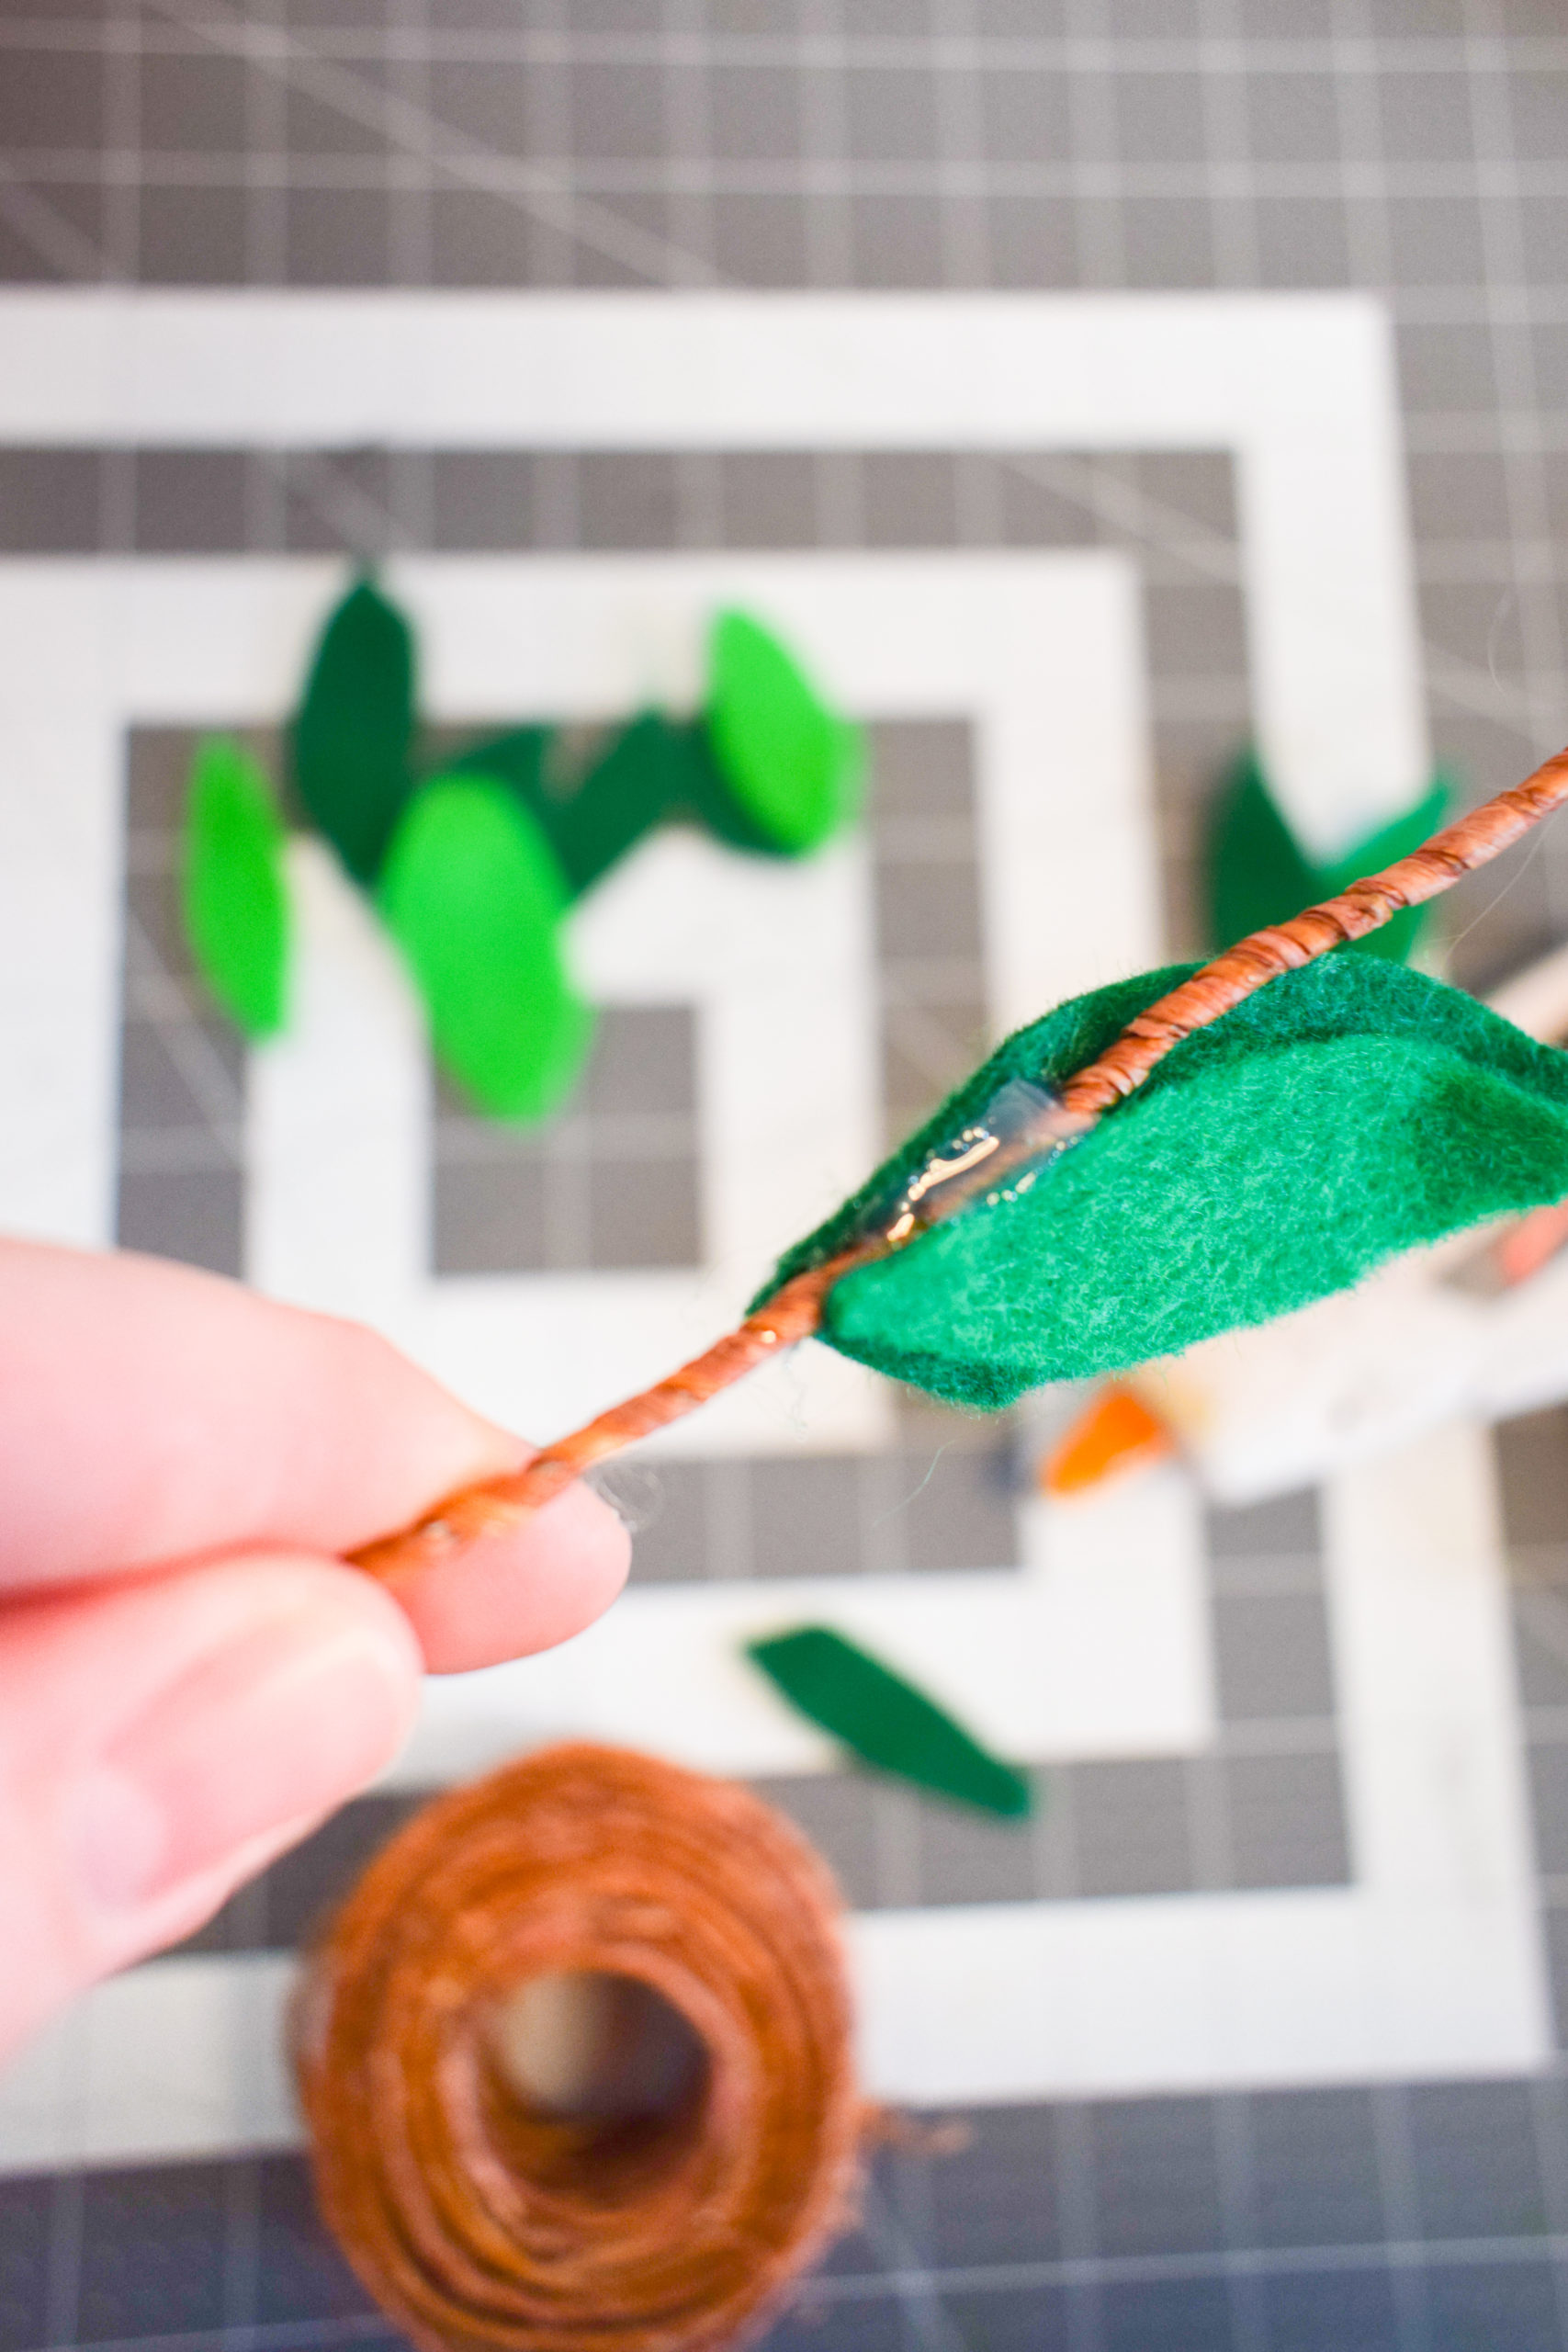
(232, 891)
(1343, 1113)
(886, 1720)
(473, 896)
(1258, 874)
(792, 765)
(351, 741)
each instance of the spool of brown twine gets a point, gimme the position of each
(485, 2215)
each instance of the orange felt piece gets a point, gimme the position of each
(1118, 1432)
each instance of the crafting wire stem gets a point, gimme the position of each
(793, 1313)
(795, 1310)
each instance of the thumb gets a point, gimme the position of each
(159, 1741)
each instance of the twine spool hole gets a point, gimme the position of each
(595, 2089)
(588, 2047)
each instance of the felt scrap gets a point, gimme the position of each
(471, 892)
(1350, 1110)
(352, 743)
(885, 1720)
(793, 766)
(1258, 873)
(233, 895)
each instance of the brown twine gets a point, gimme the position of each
(795, 1310)
(480, 2226)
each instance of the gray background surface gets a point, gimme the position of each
(1415, 147)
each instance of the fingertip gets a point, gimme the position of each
(513, 1593)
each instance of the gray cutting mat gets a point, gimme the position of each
(1414, 151)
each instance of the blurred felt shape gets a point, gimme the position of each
(472, 893)
(1258, 873)
(886, 1720)
(234, 896)
(792, 767)
(1350, 1110)
(1116, 1431)
(353, 741)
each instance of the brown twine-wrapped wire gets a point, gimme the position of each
(481, 2226)
(795, 1310)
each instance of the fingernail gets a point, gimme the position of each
(285, 1722)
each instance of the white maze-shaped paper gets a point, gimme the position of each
(1428, 1963)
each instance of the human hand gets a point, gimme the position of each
(190, 1677)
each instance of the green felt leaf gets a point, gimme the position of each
(233, 894)
(1258, 873)
(793, 766)
(1345, 1112)
(352, 743)
(648, 774)
(472, 893)
(886, 1720)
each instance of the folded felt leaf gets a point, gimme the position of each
(1350, 1110)
(353, 741)
(1258, 873)
(473, 895)
(232, 892)
(886, 1720)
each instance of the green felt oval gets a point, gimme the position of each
(1258, 873)
(474, 896)
(234, 895)
(352, 743)
(1345, 1112)
(793, 766)
(886, 1720)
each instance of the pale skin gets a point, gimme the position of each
(191, 1675)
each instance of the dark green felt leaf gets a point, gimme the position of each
(1347, 1112)
(656, 771)
(519, 759)
(472, 893)
(886, 1720)
(793, 766)
(646, 774)
(233, 894)
(353, 739)
(1258, 874)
